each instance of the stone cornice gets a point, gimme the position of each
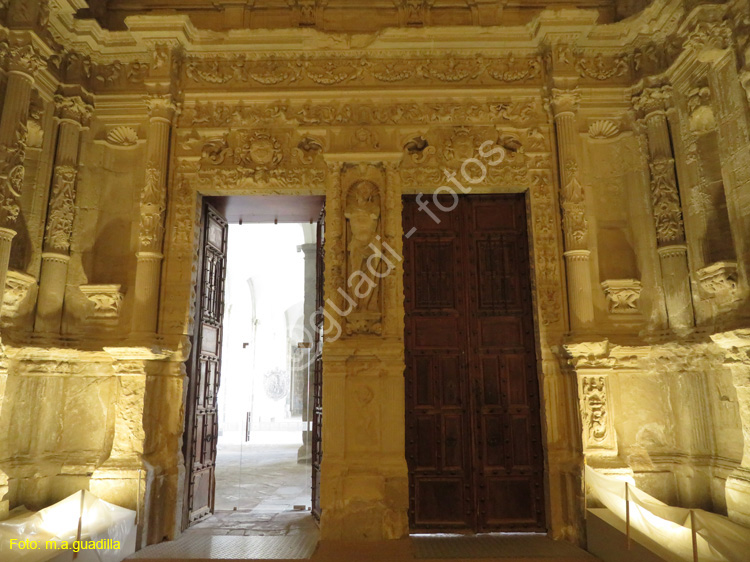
(87, 37)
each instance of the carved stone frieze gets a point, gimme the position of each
(258, 72)
(61, 209)
(219, 114)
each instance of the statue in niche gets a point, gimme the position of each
(363, 245)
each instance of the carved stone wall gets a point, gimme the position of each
(612, 132)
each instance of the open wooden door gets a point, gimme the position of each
(317, 358)
(473, 418)
(204, 367)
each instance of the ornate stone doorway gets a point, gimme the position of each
(299, 351)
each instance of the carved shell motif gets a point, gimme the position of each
(603, 129)
(123, 136)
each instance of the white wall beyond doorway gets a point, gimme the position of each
(262, 323)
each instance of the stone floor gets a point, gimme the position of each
(262, 478)
(271, 492)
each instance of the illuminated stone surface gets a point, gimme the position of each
(630, 137)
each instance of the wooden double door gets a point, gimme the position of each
(473, 420)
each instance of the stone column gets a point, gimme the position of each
(652, 104)
(23, 63)
(575, 226)
(153, 205)
(73, 113)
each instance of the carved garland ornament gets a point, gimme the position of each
(60, 222)
(666, 201)
(330, 72)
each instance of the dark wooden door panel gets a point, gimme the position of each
(437, 389)
(473, 423)
(317, 367)
(201, 417)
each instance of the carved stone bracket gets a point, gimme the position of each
(718, 281)
(18, 298)
(106, 301)
(622, 295)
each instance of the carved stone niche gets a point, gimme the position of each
(18, 298)
(622, 295)
(718, 281)
(106, 301)
(363, 196)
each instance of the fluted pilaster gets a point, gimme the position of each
(153, 206)
(575, 225)
(651, 105)
(73, 114)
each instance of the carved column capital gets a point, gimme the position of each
(653, 100)
(73, 108)
(161, 107)
(565, 101)
(709, 36)
(25, 59)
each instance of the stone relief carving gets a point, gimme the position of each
(122, 136)
(598, 66)
(603, 129)
(363, 247)
(18, 295)
(714, 35)
(701, 115)
(106, 300)
(622, 295)
(594, 411)
(574, 206)
(62, 208)
(219, 114)
(666, 201)
(718, 280)
(243, 69)
(153, 206)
